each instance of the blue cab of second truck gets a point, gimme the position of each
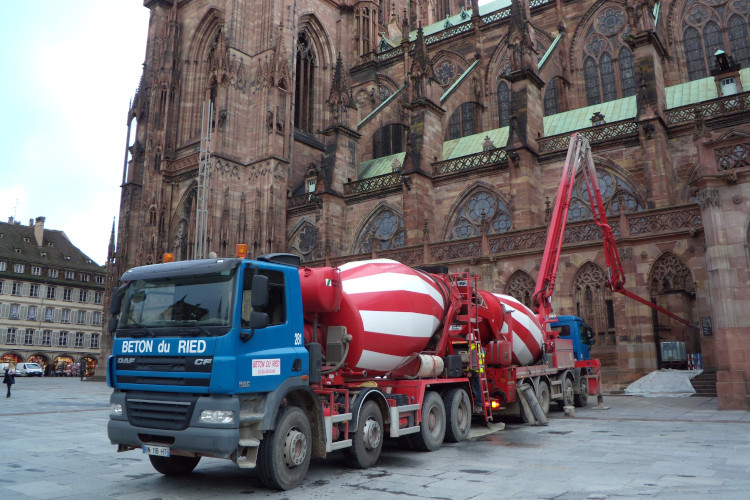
(574, 328)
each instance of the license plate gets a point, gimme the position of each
(159, 451)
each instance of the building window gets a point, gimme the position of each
(68, 294)
(62, 340)
(739, 41)
(48, 314)
(50, 292)
(480, 208)
(10, 338)
(96, 319)
(47, 337)
(16, 288)
(503, 103)
(28, 338)
(3, 266)
(550, 98)
(36, 270)
(14, 308)
(83, 296)
(18, 268)
(305, 84)
(85, 277)
(704, 33)
(31, 313)
(616, 194)
(388, 140)
(464, 121)
(34, 291)
(97, 297)
(53, 273)
(81, 317)
(69, 275)
(1, 286)
(65, 316)
(95, 341)
(79, 340)
(385, 229)
(99, 280)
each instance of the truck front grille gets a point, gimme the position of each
(168, 414)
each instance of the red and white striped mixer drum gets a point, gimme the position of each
(389, 309)
(527, 337)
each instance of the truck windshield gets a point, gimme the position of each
(184, 306)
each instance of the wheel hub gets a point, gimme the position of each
(371, 434)
(295, 448)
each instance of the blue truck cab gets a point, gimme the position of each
(206, 355)
(574, 328)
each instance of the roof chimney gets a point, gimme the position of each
(39, 231)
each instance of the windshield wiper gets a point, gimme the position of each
(194, 323)
(146, 330)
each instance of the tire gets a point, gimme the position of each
(432, 428)
(368, 440)
(582, 398)
(174, 466)
(542, 395)
(284, 453)
(457, 415)
(568, 393)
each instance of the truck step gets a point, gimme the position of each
(250, 442)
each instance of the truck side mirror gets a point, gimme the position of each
(116, 305)
(259, 297)
(257, 320)
(112, 325)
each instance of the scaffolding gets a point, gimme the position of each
(204, 174)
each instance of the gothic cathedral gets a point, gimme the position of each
(434, 132)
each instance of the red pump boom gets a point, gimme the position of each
(579, 154)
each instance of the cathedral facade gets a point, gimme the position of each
(435, 132)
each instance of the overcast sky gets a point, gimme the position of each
(69, 71)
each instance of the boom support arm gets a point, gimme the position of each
(579, 154)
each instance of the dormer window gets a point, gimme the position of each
(26, 239)
(728, 86)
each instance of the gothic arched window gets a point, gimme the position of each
(384, 230)
(388, 139)
(303, 241)
(305, 84)
(550, 98)
(480, 207)
(593, 302)
(707, 29)
(617, 196)
(464, 121)
(607, 78)
(503, 103)
(521, 287)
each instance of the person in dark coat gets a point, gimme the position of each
(9, 379)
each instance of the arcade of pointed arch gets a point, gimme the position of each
(670, 274)
(592, 298)
(303, 239)
(521, 286)
(383, 229)
(480, 207)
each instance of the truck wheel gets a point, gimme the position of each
(542, 395)
(432, 428)
(582, 398)
(568, 393)
(457, 415)
(284, 453)
(368, 440)
(174, 466)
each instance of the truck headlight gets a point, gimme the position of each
(217, 417)
(115, 410)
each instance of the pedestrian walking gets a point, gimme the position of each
(83, 369)
(9, 379)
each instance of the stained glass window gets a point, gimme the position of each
(738, 40)
(385, 228)
(503, 103)
(482, 206)
(608, 77)
(550, 98)
(617, 196)
(627, 75)
(463, 121)
(590, 75)
(696, 65)
(712, 36)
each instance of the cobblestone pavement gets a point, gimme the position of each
(54, 445)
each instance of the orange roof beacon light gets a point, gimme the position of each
(241, 251)
(167, 257)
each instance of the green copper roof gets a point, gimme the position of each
(691, 92)
(576, 119)
(471, 144)
(379, 166)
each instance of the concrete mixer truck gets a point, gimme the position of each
(269, 363)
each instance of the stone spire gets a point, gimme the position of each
(340, 97)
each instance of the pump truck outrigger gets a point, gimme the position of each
(268, 363)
